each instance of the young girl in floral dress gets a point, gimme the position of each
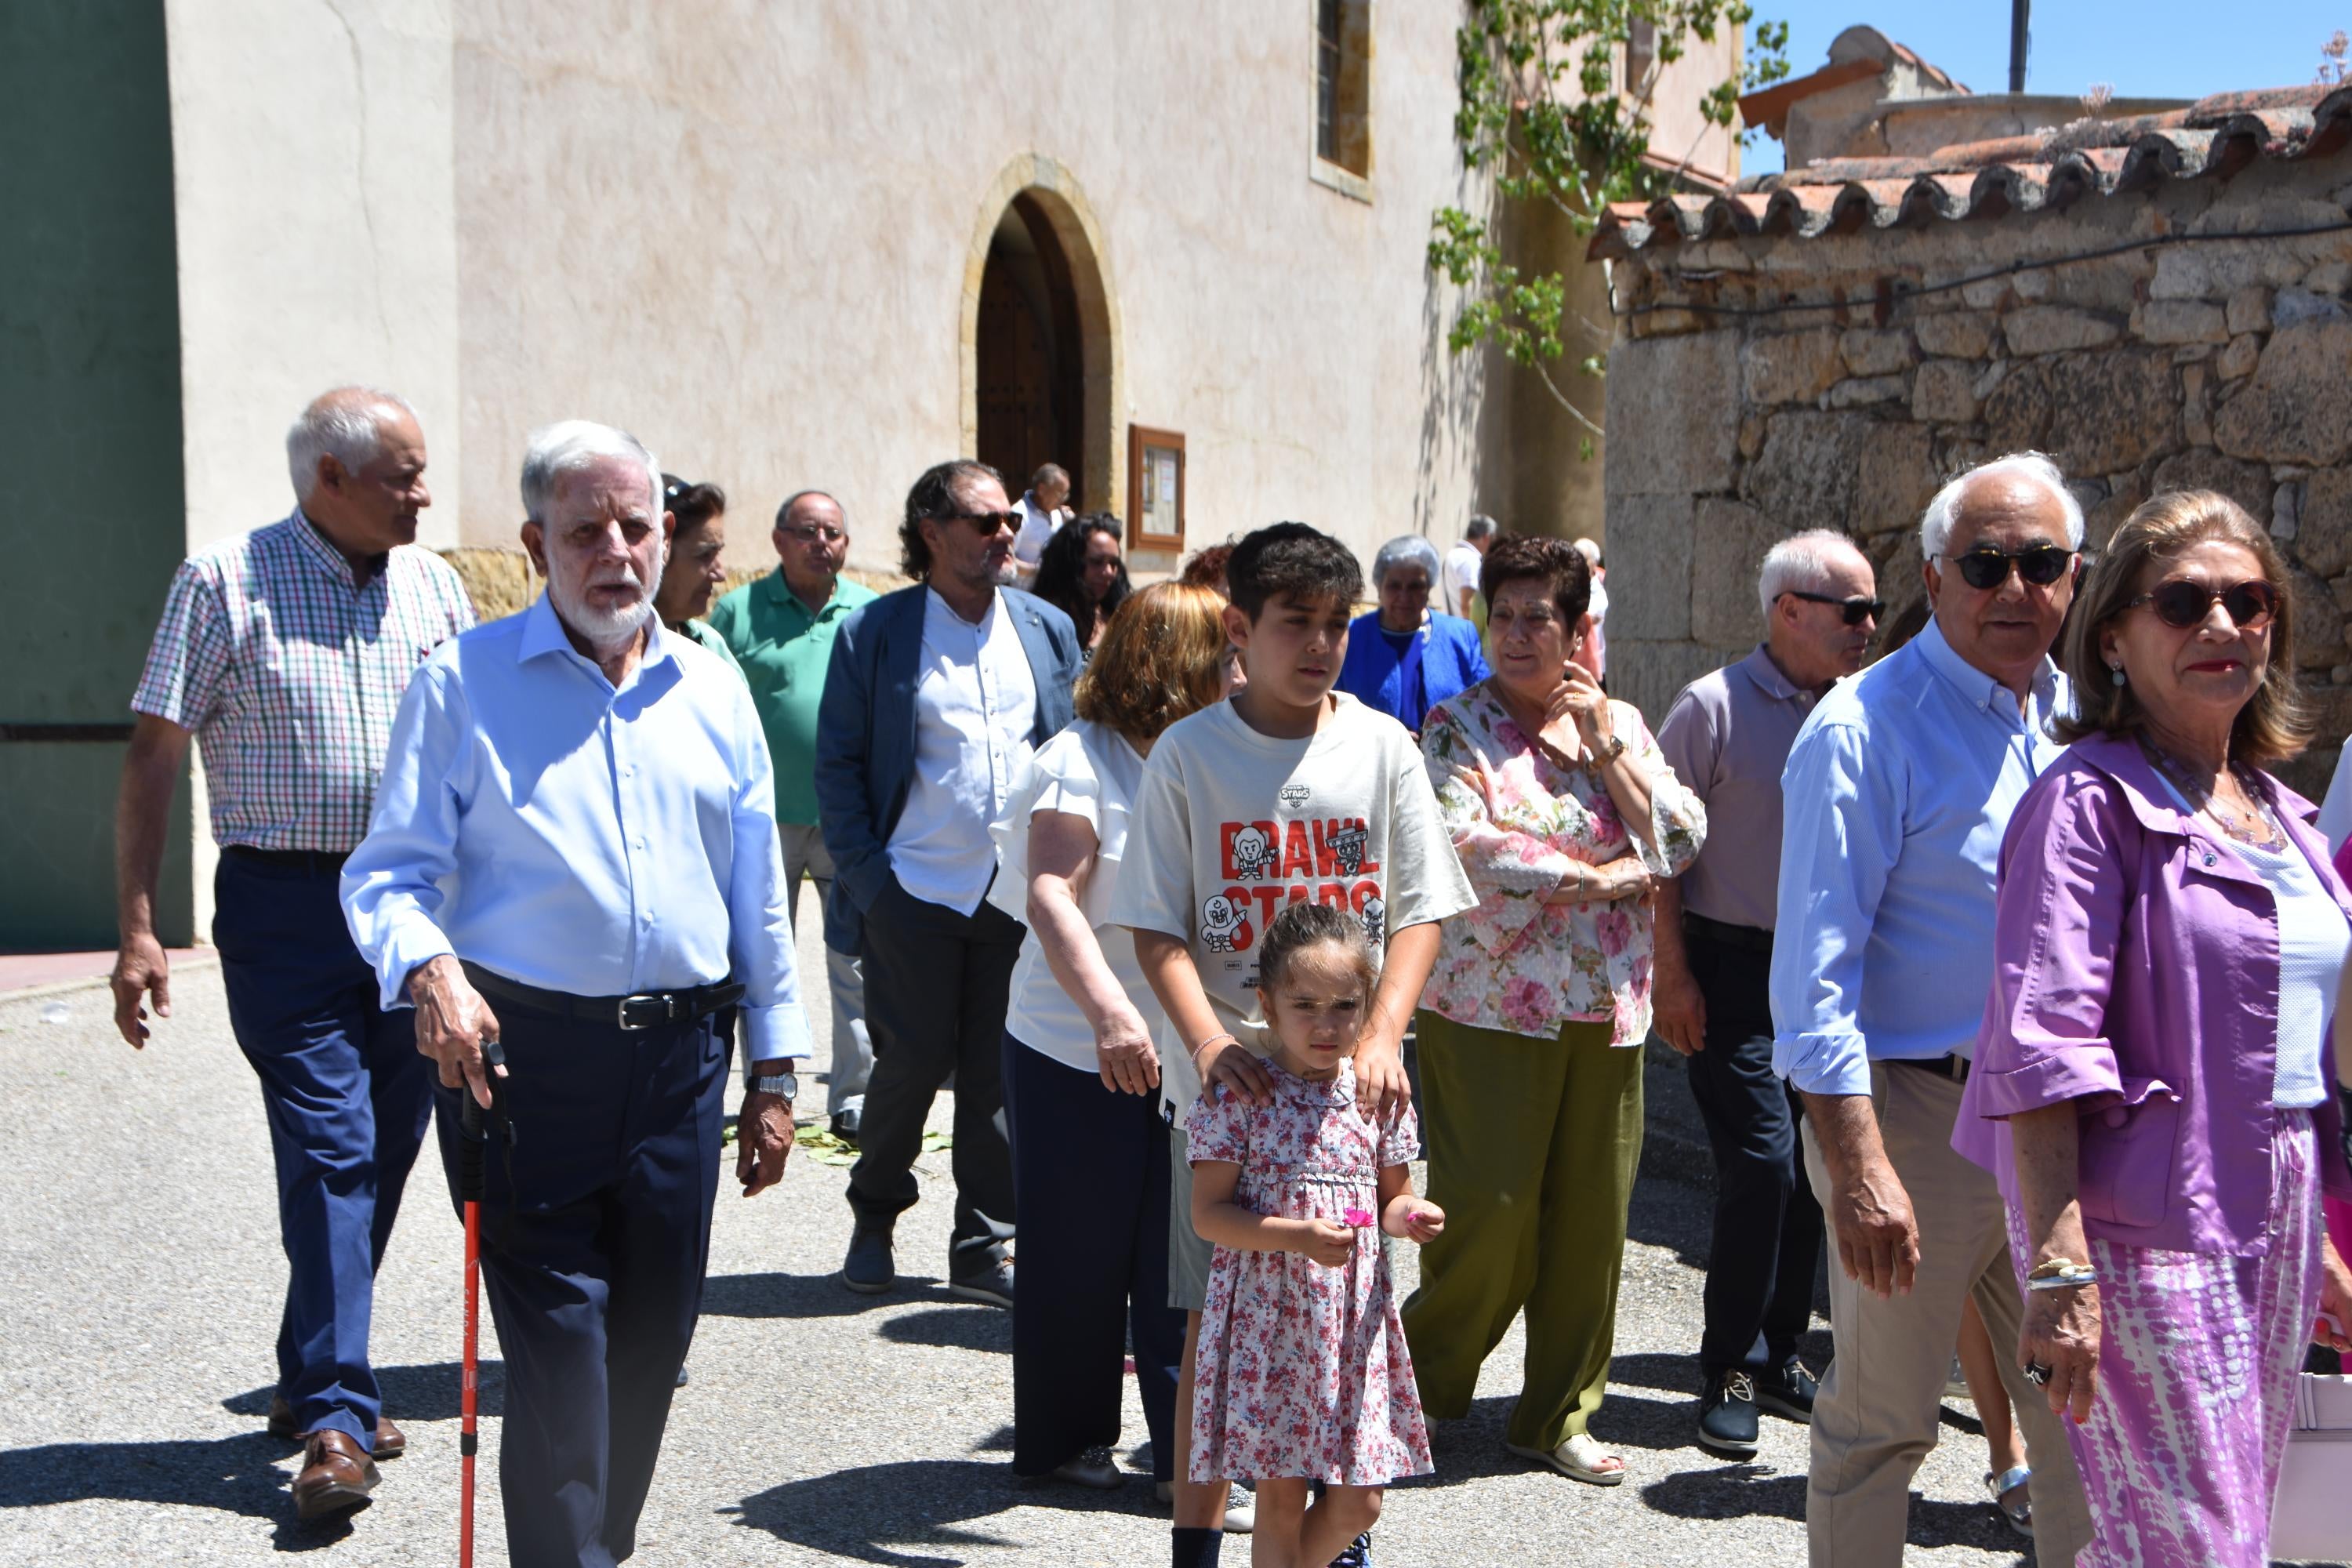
(1303, 1374)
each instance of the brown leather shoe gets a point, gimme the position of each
(337, 1476)
(391, 1443)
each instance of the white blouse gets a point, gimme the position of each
(1088, 770)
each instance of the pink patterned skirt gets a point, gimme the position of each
(2197, 1378)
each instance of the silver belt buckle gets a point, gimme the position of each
(665, 1000)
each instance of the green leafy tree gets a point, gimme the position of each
(1547, 107)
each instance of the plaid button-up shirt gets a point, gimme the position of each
(288, 673)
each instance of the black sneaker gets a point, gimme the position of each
(1727, 1417)
(869, 1270)
(1357, 1553)
(990, 1286)
(1788, 1393)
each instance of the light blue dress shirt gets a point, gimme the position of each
(536, 821)
(1897, 792)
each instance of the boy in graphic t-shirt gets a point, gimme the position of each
(1286, 792)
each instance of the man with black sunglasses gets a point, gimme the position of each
(1728, 737)
(934, 699)
(1899, 790)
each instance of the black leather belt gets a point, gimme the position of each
(315, 861)
(1747, 939)
(1954, 1066)
(646, 1010)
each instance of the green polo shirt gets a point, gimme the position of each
(784, 652)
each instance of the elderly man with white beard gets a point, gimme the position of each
(574, 853)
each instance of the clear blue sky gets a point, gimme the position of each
(2157, 48)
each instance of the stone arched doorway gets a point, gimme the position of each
(1040, 334)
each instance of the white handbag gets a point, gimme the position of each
(2311, 1519)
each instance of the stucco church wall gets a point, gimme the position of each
(2218, 363)
(744, 236)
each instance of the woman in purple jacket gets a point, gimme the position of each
(2153, 1083)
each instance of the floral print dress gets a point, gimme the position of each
(1521, 822)
(1303, 1369)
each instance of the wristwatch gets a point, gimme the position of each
(785, 1084)
(1609, 752)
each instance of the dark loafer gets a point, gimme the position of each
(869, 1270)
(337, 1476)
(391, 1443)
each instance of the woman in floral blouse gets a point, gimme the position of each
(1563, 812)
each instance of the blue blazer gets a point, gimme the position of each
(865, 734)
(1445, 651)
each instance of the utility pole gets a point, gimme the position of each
(2020, 39)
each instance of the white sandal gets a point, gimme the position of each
(1580, 1458)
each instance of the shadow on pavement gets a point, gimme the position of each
(920, 1514)
(237, 1475)
(963, 1327)
(425, 1392)
(809, 1295)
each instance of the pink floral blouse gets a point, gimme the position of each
(1513, 962)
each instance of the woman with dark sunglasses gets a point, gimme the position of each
(2152, 1082)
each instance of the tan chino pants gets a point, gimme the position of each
(1877, 1415)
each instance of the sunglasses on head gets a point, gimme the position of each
(2040, 564)
(2182, 604)
(984, 523)
(1853, 611)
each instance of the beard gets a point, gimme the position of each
(601, 626)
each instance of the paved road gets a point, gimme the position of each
(140, 1283)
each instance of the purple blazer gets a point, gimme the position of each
(2135, 972)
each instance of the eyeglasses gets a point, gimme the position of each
(2040, 564)
(984, 523)
(810, 534)
(1853, 611)
(2182, 604)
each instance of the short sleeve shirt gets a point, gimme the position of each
(1230, 826)
(1728, 737)
(290, 672)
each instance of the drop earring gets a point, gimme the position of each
(2115, 673)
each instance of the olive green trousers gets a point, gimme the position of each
(1532, 1145)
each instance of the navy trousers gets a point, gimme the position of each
(1090, 1176)
(347, 1098)
(1767, 1229)
(595, 1233)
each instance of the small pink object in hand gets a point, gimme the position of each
(1360, 1218)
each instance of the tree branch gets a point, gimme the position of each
(1561, 398)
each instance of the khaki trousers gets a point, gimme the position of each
(1877, 1414)
(1532, 1145)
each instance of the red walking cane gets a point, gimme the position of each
(473, 1138)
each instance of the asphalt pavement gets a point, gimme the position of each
(141, 1282)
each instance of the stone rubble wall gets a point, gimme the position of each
(2224, 365)
(500, 582)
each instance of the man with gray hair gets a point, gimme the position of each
(1728, 736)
(1043, 509)
(1898, 789)
(1458, 581)
(575, 854)
(283, 653)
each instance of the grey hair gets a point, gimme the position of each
(345, 424)
(1480, 526)
(797, 497)
(1935, 522)
(570, 445)
(1800, 564)
(1405, 549)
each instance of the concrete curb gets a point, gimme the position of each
(192, 963)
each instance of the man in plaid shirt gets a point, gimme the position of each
(284, 653)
